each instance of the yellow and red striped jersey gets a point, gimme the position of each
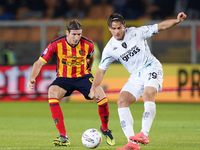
(71, 60)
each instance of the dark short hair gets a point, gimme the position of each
(115, 17)
(74, 25)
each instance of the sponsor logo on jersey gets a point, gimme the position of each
(73, 64)
(130, 53)
(74, 57)
(64, 49)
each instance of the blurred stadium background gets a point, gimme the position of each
(31, 24)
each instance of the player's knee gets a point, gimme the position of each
(52, 93)
(149, 95)
(123, 103)
(125, 99)
(120, 103)
(55, 92)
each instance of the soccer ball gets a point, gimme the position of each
(91, 138)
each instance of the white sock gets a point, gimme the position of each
(126, 121)
(148, 116)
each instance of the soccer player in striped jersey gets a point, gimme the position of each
(129, 47)
(75, 56)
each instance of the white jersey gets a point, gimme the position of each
(133, 51)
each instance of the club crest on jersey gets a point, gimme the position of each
(80, 52)
(124, 45)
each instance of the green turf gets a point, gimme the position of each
(29, 126)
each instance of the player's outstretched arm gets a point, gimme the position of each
(34, 73)
(96, 83)
(172, 22)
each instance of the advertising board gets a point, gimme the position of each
(181, 83)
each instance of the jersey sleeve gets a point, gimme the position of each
(148, 31)
(91, 50)
(106, 58)
(47, 53)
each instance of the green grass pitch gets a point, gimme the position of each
(29, 126)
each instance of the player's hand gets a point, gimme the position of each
(30, 84)
(93, 94)
(181, 16)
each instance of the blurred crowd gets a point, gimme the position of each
(66, 9)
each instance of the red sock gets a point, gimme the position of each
(104, 113)
(57, 115)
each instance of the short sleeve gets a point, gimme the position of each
(91, 49)
(148, 31)
(47, 53)
(106, 59)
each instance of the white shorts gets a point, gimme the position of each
(152, 76)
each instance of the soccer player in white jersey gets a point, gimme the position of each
(129, 47)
